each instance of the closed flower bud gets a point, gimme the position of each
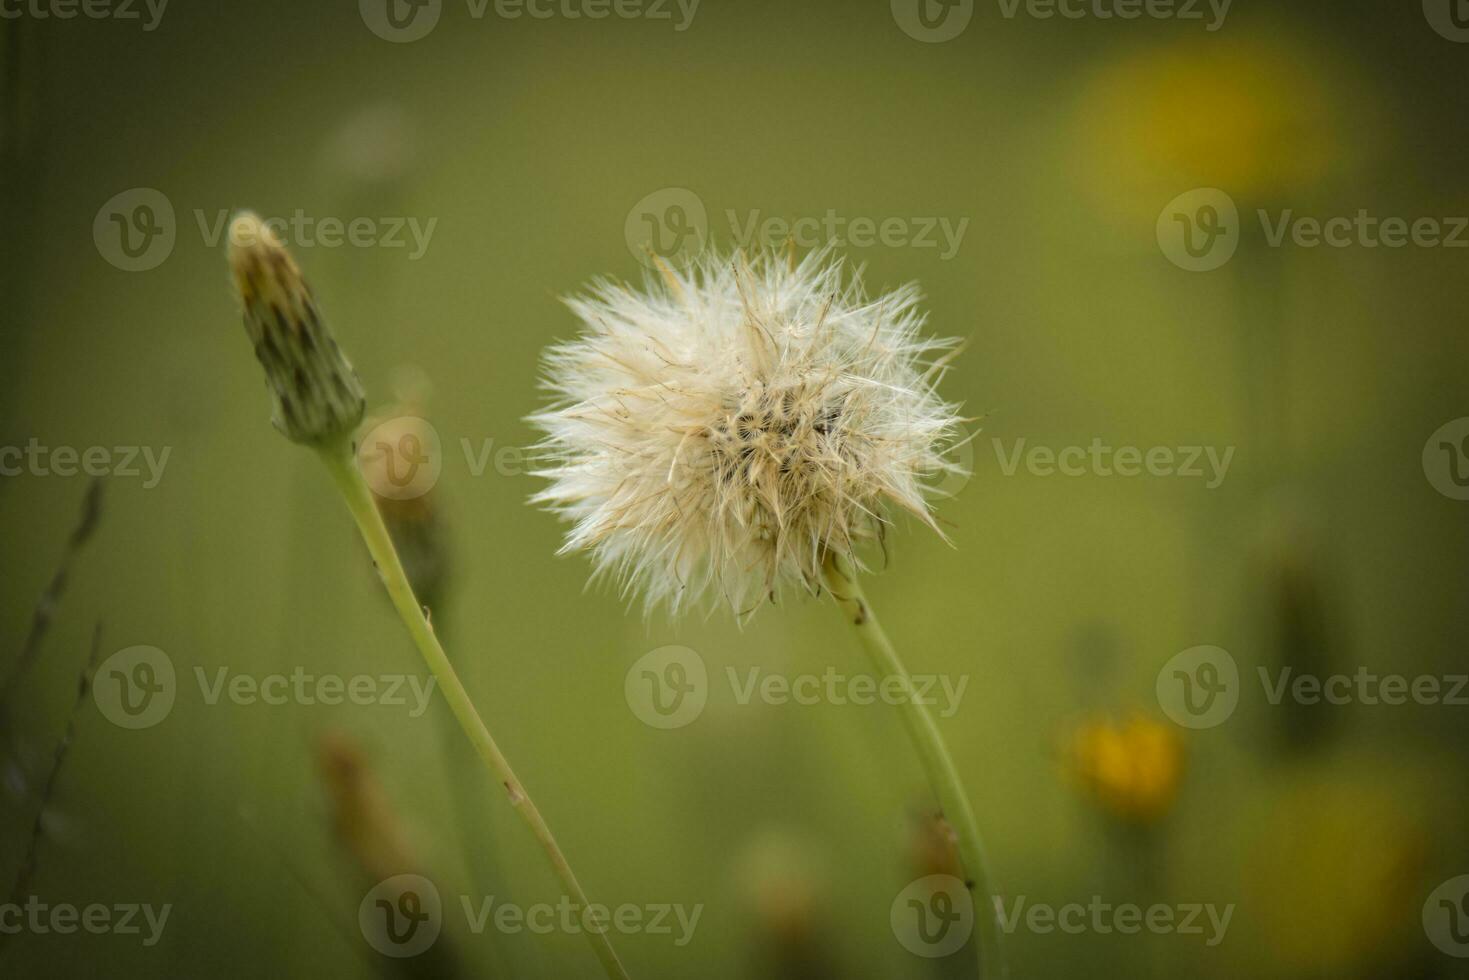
(318, 397)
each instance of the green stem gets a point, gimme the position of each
(842, 582)
(340, 461)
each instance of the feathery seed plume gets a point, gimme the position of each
(726, 429)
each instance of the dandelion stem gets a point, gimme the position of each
(340, 461)
(841, 580)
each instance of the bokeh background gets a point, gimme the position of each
(538, 147)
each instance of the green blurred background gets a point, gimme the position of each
(531, 143)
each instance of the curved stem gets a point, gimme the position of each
(943, 777)
(341, 463)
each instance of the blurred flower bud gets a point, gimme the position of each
(317, 395)
(1131, 770)
(362, 818)
(784, 892)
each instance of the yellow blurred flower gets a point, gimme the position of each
(1256, 118)
(1132, 769)
(1334, 874)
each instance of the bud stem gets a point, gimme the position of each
(943, 777)
(341, 463)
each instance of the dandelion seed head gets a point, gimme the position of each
(722, 431)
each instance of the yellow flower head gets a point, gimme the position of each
(1132, 770)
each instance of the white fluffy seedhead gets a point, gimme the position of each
(725, 429)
